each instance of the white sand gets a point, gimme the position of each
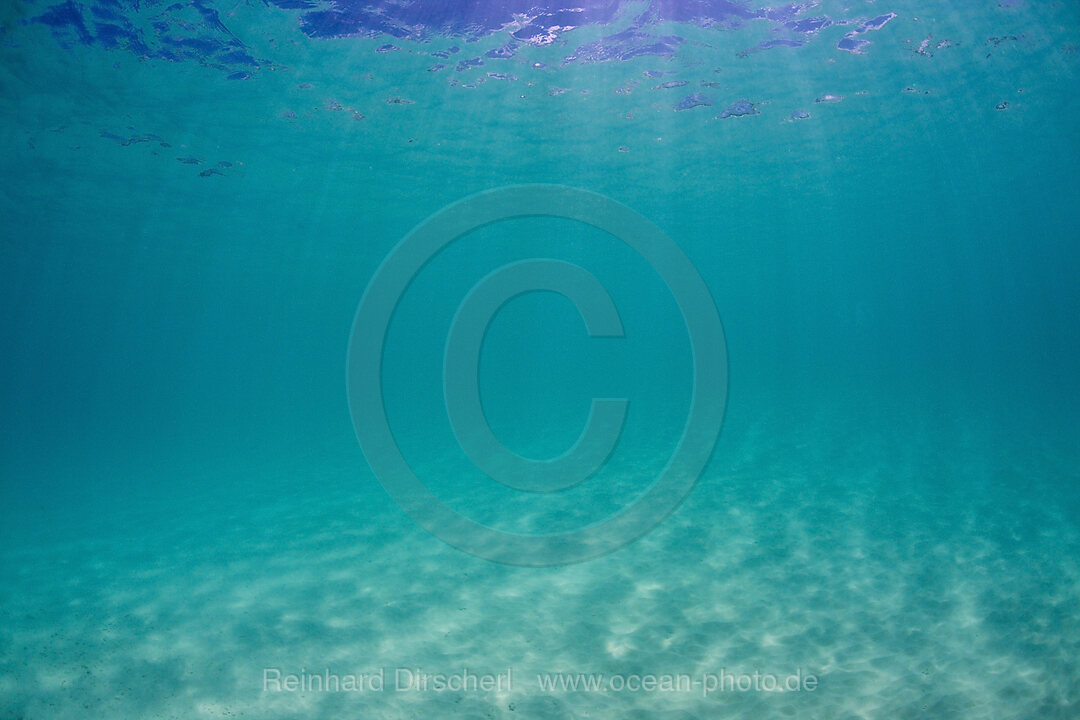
(919, 578)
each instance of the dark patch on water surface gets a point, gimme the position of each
(66, 20)
(692, 101)
(210, 15)
(191, 30)
(993, 41)
(739, 108)
(114, 36)
(769, 44)
(780, 43)
(136, 138)
(878, 22)
(809, 25)
(629, 43)
(133, 139)
(470, 63)
(506, 51)
(853, 43)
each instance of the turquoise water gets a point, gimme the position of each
(892, 505)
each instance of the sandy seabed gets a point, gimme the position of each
(916, 580)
